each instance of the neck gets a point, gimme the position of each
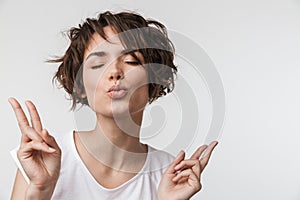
(115, 142)
(123, 132)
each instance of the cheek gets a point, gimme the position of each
(138, 77)
(139, 99)
(139, 81)
(92, 84)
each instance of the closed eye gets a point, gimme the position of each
(97, 66)
(132, 62)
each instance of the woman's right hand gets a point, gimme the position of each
(39, 154)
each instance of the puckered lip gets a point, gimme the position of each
(116, 88)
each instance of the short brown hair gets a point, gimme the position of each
(150, 39)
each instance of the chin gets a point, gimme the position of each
(116, 110)
(119, 108)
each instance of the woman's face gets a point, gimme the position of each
(115, 83)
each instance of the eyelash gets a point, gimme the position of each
(128, 62)
(97, 66)
(132, 62)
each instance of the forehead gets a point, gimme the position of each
(99, 43)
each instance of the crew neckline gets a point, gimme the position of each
(142, 171)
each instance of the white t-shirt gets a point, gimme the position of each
(75, 181)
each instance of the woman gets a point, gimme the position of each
(115, 64)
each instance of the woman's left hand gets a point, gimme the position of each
(181, 180)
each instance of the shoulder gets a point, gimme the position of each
(158, 160)
(65, 141)
(62, 138)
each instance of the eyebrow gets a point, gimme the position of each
(98, 53)
(102, 53)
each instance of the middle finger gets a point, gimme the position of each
(34, 117)
(191, 163)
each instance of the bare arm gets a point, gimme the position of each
(22, 190)
(20, 187)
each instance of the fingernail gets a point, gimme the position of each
(9, 100)
(177, 167)
(179, 153)
(51, 149)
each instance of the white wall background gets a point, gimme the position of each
(255, 46)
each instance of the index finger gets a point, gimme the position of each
(178, 159)
(21, 117)
(205, 158)
(198, 152)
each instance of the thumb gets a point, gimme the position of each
(49, 139)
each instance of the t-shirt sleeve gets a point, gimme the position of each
(13, 153)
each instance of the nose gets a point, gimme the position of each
(115, 72)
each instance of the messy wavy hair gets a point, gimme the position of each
(137, 34)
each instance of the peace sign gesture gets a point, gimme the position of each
(181, 180)
(39, 154)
